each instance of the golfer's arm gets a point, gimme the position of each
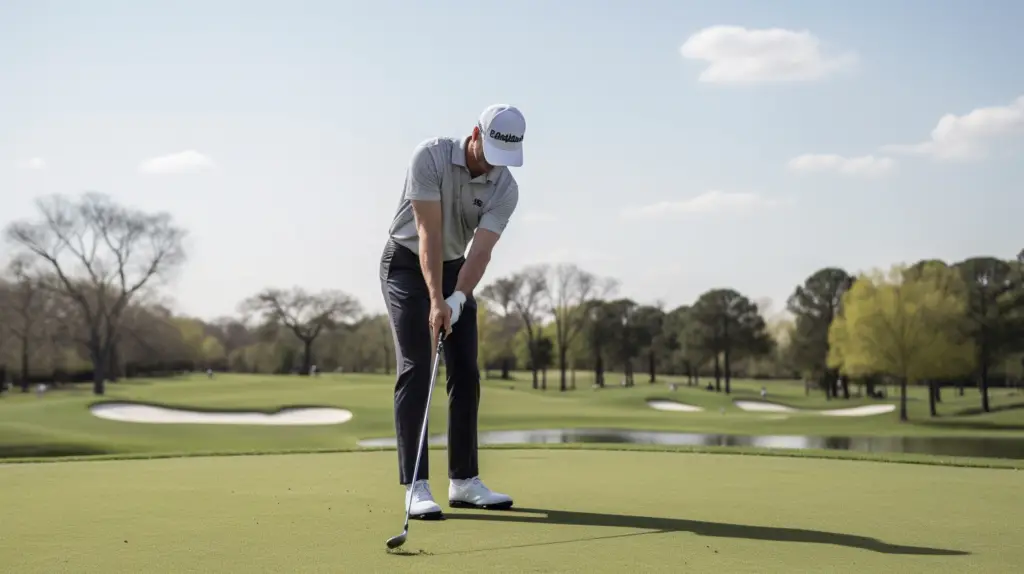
(492, 224)
(476, 262)
(428, 227)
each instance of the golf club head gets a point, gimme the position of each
(396, 541)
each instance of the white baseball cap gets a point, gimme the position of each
(503, 127)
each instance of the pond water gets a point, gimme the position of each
(943, 446)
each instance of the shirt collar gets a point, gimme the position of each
(459, 159)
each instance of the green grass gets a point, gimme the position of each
(579, 511)
(581, 508)
(59, 423)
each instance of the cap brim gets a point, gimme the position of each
(502, 157)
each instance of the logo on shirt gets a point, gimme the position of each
(478, 202)
(507, 138)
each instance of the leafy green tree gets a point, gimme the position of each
(907, 326)
(537, 352)
(651, 336)
(599, 333)
(728, 325)
(629, 335)
(990, 309)
(687, 353)
(814, 305)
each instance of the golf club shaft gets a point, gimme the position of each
(423, 429)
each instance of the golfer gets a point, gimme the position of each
(457, 190)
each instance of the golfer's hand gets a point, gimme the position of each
(440, 319)
(455, 303)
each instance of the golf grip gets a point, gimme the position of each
(423, 429)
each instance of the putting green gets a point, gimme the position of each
(579, 511)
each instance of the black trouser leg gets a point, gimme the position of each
(408, 303)
(463, 385)
(408, 306)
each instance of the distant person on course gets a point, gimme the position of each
(456, 190)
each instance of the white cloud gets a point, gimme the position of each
(968, 136)
(538, 217)
(714, 201)
(182, 162)
(33, 163)
(737, 55)
(864, 166)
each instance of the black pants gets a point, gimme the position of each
(408, 303)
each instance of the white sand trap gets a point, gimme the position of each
(673, 406)
(862, 411)
(761, 407)
(127, 412)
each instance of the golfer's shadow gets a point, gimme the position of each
(656, 525)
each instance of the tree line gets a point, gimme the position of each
(81, 300)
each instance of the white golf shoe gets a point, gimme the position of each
(423, 505)
(472, 493)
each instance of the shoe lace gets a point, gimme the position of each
(422, 489)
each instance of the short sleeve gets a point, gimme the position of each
(497, 216)
(423, 182)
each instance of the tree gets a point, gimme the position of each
(990, 308)
(501, 297)
(569, 290)
(24, 303)
(630, 333)
(649, 321)
(530, 288)
(727, 324)
(101, 255)
(905, 326)
(814, 305)
(544, 355)
(600, 333)
(305, 314)
(685, 341)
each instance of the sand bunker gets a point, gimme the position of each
(861, 411)
(673, 406)
(133, 413)
(760, 407)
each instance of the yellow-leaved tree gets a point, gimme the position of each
(907, 323)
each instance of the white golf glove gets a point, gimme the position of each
(455, 301)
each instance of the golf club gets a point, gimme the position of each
(396, 541)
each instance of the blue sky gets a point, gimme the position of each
(280, 131)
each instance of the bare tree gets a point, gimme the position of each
(501, 295)
(569, 290)
(101, 255)
(304, 314)
(530, 287)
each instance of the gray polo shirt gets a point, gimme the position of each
(438, 172)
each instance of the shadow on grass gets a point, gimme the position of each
(714, 529)
(48, 450)
(971, 425)
(978, 411)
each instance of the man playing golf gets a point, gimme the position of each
(456, 191)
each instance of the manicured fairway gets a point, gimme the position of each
(60, 423)
(579, 511)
